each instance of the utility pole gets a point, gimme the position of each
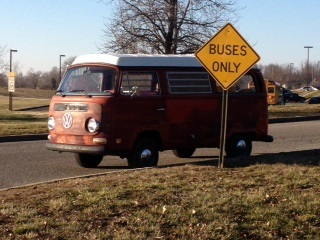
(308, 47)
(10, 69)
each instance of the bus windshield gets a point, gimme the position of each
(89, 80)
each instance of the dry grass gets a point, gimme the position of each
(18, 122)
(29, 93)
(296, 110)
(22, 122)
(259, 201)
(307, 94)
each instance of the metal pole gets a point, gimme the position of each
(60, 68)
(289, 83)
(10, 69)
(308, 47)
(223, 129)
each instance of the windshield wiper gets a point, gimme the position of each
(61, 92)
(80, 90)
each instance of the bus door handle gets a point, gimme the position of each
(161, 109)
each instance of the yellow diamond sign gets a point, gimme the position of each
(227, 56)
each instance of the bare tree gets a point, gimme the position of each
(33, 78)
(68, 62)
(3, 67)
(19, 79)
(165, 26)
(49, 79)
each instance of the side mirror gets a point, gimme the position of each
(135, 91)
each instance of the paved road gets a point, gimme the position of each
(29, 162)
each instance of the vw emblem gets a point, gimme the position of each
(67, 120)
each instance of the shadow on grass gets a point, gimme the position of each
(304, 158)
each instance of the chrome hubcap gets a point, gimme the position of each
(146, 155)
(241, 145)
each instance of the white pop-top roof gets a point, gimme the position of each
(145, 60)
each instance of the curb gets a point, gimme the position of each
(33, 108)
(33, 137)
(293, 119)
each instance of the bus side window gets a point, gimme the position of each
(140, 84)
(244, 85)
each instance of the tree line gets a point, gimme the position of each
(32, 78)
(288, 75)
(293, 77)
(166, 27)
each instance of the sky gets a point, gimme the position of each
(42, 30)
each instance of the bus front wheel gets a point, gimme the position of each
(88, 160)
(238, 146)
(184, 153)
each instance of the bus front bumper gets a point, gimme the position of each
(99, 150)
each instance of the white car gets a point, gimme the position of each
(309, 88)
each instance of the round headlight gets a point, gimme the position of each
(93, 125)
(51, 123)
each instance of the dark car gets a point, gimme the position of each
(287, 93)
(314, 100)
(294, 97)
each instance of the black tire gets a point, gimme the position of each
(88, 160)
(144, 154)
(238, 146)
(184, 153)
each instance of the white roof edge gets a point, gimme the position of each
(145, 60)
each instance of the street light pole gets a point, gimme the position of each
(290, 73)
(60, 68)
(10, 69)
(308, 47)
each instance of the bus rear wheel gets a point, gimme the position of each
(88, 160)
(184, 153)
(238, 146)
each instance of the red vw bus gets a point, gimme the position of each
(134, 106)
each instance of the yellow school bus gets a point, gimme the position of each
(274, 91)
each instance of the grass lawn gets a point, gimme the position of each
(298, 110)
(18, 122)
(28, 93)
(259, 201)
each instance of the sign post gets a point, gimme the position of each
(11, 88)
(227, 57)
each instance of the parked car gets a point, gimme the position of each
(314, 100)
(309, 88)
(287, 93)
(295, 97)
